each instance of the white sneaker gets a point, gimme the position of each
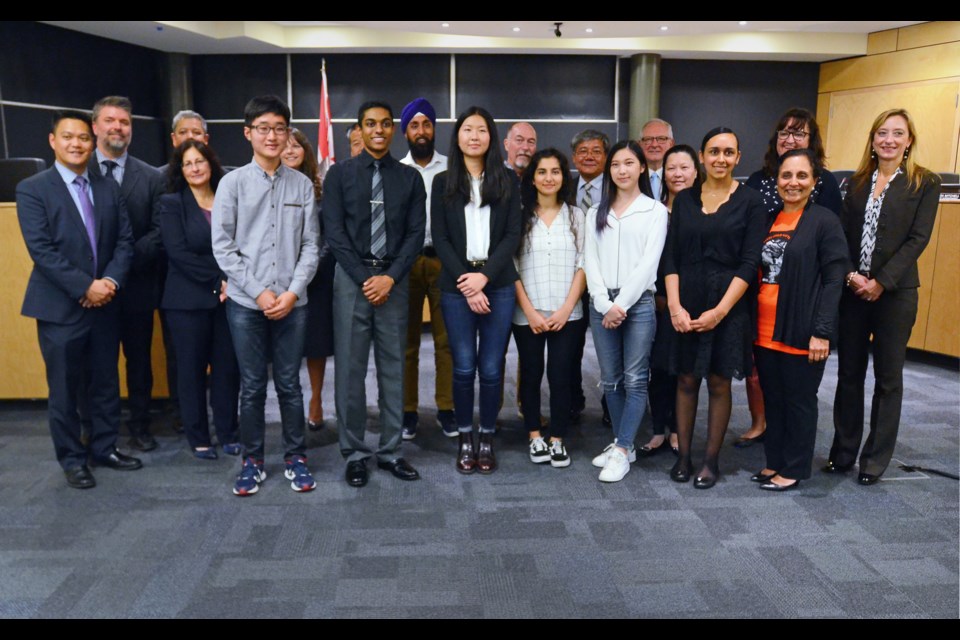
(539, 452)
(558, 455)
(616, 468)
(601, 460)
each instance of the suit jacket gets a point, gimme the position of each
(141, 190)
(56, 238)
(903, 229)
(449, 228)
(193, 276)
(347, 216)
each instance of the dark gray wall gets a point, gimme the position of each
(748, 97)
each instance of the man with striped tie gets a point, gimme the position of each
(374, 215)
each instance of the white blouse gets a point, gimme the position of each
(548, 261)
(626, 255)
(477, 223)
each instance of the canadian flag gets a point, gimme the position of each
(325, 157)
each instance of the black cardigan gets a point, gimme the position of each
(811, 279)
(448, 228)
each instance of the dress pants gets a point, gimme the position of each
(889, 320)
(201, 338)
(136, 338)
(81, 361)
(357, 324)
(257, 340)
(790, 383)
(423, 284)
(560, 367)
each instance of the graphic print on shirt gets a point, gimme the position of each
(771, 257)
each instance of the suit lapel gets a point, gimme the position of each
(60, 187)
(131, 174)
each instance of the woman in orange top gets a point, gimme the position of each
(802, 267)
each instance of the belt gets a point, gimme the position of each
(376, 264)
(476, 264)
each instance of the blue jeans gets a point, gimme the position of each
(257, 340)
(624, 357)
(484, 356)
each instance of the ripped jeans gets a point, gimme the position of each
(624, 357)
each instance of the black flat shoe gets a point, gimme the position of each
(760, 477)
(647, 452)
(704, 482)
(770, 486)
(831, 467)
(743, 443)
(867, 479)
(680, 471)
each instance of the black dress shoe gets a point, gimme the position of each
(867, 479)
(80, 477)
(142, 441)
(118, 461)
(831, 467)
(680, 471)
(647, 452)
(761, 477)
(357, 473)
(400, 468)
(771, 486)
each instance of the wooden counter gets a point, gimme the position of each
(22, 373)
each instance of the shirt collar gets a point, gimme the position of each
(435, 160)
(367, 160)
(596, 182)
(122, 160)
(68, 175)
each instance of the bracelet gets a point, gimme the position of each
(674, 315)
(849, 278)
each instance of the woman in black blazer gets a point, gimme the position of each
(475, 221)
(193, 300)
(888, 216)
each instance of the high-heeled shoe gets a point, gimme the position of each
(466, 456)
(486, 461)
(761, 477)
(681, 470)
(743, 443)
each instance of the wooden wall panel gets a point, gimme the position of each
(928, 33)
(882, 42)
(932, 105)
(926, 267)
(943, 328)
(926, 63)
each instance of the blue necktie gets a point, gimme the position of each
(655, 185)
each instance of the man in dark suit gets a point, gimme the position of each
(141, 187)
(374, 215)
(78, 235)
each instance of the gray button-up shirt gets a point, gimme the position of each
(265, 232)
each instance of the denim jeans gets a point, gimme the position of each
(478, 343)
(624, 357)
(257, 339)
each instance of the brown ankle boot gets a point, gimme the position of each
(486, 461)
(466, 456)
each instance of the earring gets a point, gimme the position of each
(906, 153)
(873, 154)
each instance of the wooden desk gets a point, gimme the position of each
(22, 372)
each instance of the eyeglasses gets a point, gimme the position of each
(799, 136)
(596, 152)
(657, 139)
(264, 130)
(196, 163)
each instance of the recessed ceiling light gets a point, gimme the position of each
(588, 30)
(445, 25)
(664, 28)
(743, 23)
(516, 29)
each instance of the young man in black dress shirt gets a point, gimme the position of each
(374, 215)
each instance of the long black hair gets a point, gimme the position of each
(528, 192)
(175, 180)
(496, 181)
(610, 189)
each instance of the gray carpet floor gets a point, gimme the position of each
(529, 541)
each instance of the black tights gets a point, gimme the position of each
(718, 417)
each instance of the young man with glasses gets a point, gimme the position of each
(264, 234)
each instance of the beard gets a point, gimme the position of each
(421, 149)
